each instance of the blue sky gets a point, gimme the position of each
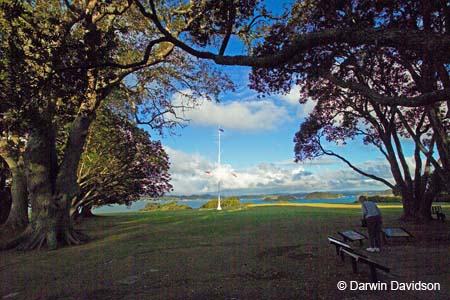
(257, 145)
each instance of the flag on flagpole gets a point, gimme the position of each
(220, 129)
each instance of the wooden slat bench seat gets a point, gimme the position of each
(357, 258)
(437, 210)
(395, 232)
(352, 236)
(343, 249)
(339, 244)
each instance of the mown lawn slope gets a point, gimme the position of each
(273, 252)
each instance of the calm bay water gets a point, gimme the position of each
(196, 203)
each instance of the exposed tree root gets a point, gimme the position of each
(7, 231)
(15, 242)
(34, 241)
(38, 239)
(419, 219)
(74, 237)
(16, 225)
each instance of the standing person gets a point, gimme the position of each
(372, 215)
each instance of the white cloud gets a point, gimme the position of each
(189, 176)
(306, 109)
(318, 161)
(188, 172)
(292, 99)
(247, 116)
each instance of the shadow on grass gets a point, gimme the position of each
(267, 252)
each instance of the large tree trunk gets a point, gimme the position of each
(51, 189)
(420, 210)
(67, 187)
(40, 170)
(86, 212)
(425, 208)
(5, 192)
(5, 204)
(416, 209)
(82, 212)
(48, 226)
(13, 157)
(74, 150)
(18, 216)
(409, 204)
(442, 137)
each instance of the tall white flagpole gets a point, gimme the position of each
(218, 179)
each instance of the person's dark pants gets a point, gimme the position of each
(374, 228)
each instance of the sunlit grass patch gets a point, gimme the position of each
(334, 205)
(276, 252)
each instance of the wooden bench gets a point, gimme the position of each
(343, 249)
(395, 232)
(352, 236)
(437, 210)
(365, 260)
(339, 244)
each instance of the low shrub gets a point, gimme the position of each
(171, 205)
(229, 202)
(443, 197)
(382, 199)
(279, 198)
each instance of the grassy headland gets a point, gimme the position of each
(170, 205)
(272, 198)
(322, 195)
(276, 252)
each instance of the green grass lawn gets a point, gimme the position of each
(275, 252)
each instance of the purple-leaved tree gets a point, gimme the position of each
(341, 114)
(119, 165)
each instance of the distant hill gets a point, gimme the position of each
(277, 198)
(386, 193)
(228, 202)
(273, 196)
(322, 195)
(381, 198)
(171, 205)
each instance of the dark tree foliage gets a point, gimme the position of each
(218, 18)
(341, 114)
(308, 40)
(119, 164)
(387, 53)
(5, 192)
(95, 45)
(60, 61)
(351, 16)
(344, 46)
(329, 43)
